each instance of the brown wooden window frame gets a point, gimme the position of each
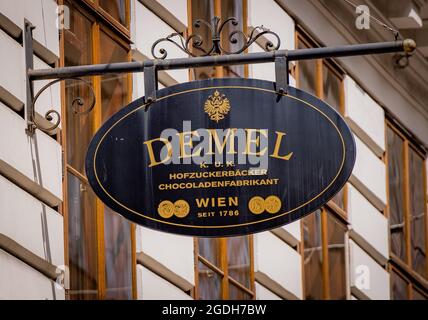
(405, 267)
(100, 22)
(338, 213)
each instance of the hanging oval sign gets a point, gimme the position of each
(221, 157)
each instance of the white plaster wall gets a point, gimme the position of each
(367, 221)
(20, 281)
(279, 261)
(177, 7)
(12, 65)
(294, 229)
(367, 275)
(38, 158)
(371, 172)
(173, 251)
(269, 14)
(152, 287)
(41, 13)
(31, 223)
(149, 28)
(366, 117)
(263, 293)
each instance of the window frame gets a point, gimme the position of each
(111, 28)
(397, 263)
(337, 212)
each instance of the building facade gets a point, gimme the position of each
(58, 241)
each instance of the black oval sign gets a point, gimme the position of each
(221, 157)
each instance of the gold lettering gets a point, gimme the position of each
(256, 142)
(230, 139)
(275, 153)
(189, 143)
(153, 161)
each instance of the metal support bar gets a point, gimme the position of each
(150, 83)
(281, 74)
(29, 65)
(407, 45)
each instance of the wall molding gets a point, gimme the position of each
(164, 14)
(28, 257)
(274, 286)
(164, 272)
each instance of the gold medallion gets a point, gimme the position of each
(166, 209)
(181, 208)
(256, 205)
(273, 204)
(217, 106)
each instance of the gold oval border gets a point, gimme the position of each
(222, 226)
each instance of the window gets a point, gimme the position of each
(115, 11)
(322, 78)
(324, 231)
(324, 256)
(407, 202)
(100, 243)
(404, 289)
(206, 10)
(224, 266)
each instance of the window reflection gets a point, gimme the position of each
(238, 257)
(209, 283)
(82, 240)
(399, 288)
(336, 258)
(395, 147)
(115, 8)
(313, 256)
(78, 51)
(417, 212)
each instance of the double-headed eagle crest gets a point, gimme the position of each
(217, 106)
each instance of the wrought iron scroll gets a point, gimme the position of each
(194, 45)
(52, 114)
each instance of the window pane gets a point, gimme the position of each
(118, 256)
(331, 87)
(82, 239)
(209, 283)
(418, 296)
(209, 248)
(399, 287)
(396, 193)
(307, 73)
(238, 294)
(117, 230)
(238, 256)
(113, 87)
(417, 212)
(336, 258)
(78, 51)
(115, 8)
(232, 8)
(313, 256)
(202, 9)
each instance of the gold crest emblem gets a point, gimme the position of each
(217, 106)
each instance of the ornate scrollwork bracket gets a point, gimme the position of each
(52, 114)
(195, 45)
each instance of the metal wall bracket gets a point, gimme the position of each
(150, 83)
(30, 106)
(282, 79)
(29, 65)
